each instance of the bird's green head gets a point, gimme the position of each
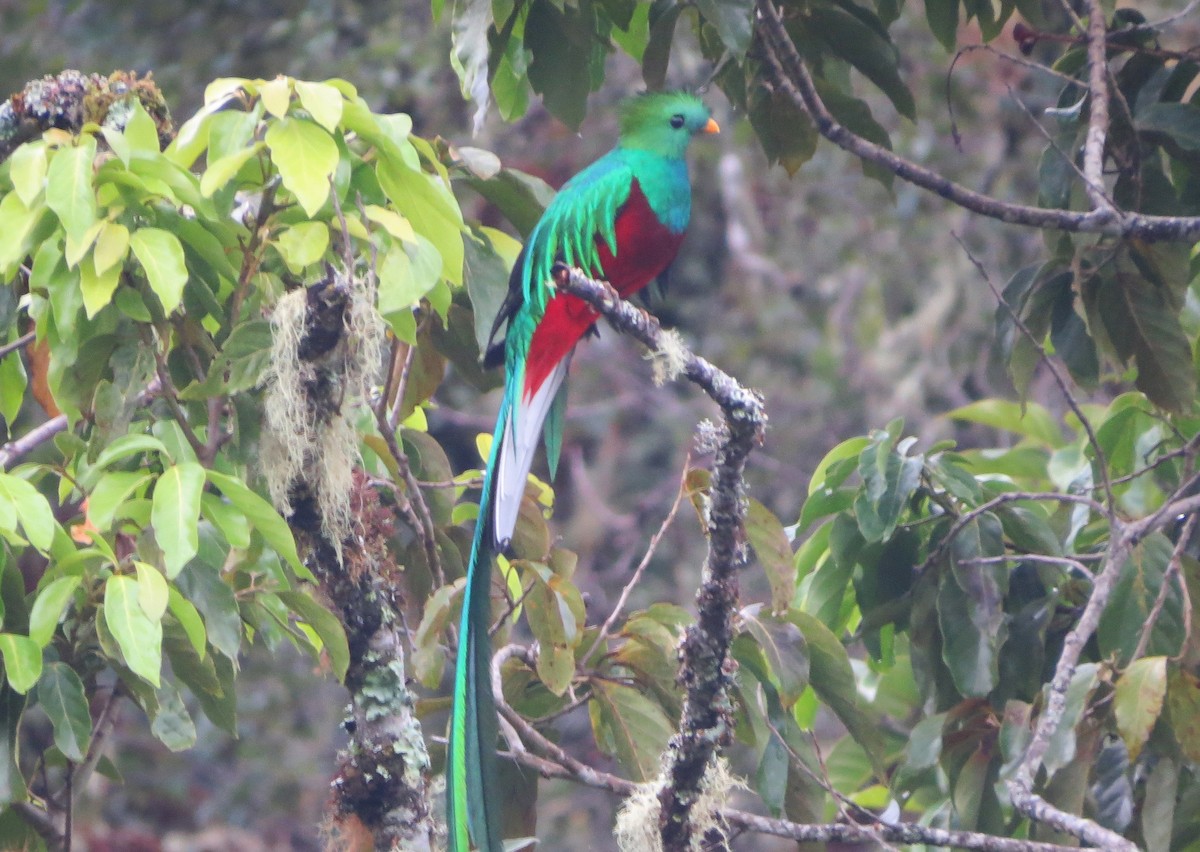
(664, 122)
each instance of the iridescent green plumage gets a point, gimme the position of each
(621, 219)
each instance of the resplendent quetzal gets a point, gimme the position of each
(621, 219)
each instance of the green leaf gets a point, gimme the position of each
(22, 661)
(1179, 121)
(971, 608)
(276, 96)
(1061, 749)
(326, 625)
(732, 19)
(189, 619)
(1158, 805)
(16, 223)
(60, 693)
(428, 657)
(889, 479)
(175, 513)
(153, 591)
(406, 274)
(203, 587)
(942, 16)
(27, 171)
(69, 190)
(31, 508)
(657, 53)
(774, 553)
(221, 171)
(111, 493)
(161, 256)
(112, 244)
(323, 102)
(12, 782)
(13, 382)
(633, 724)
(306, 157)
(832, 679)
(786, 133)
(562, 41)
(1138, 701)
(866, 49)
(48, 608)
(264, 518)
(302, 245)
(1133, 597)
(1141, 323)
(97, 289)
(1030, 420)
(128, 445)
(431, 207)
(784, 648)
(139, 638)
(173, 725)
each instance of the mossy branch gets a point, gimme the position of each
(706, 667)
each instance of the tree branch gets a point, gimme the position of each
(705, 665)
(789, 73)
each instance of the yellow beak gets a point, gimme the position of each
(711, 127)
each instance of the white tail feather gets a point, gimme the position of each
(516, 452)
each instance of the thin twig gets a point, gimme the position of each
(789, 74)
(1093, 146)
(23, 340)
(1108, 509)
(606, 628)
(1173, 571)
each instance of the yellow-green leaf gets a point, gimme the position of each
(69, 190)
(264, 518)
(48, 608)
(175, 514)
(1138, 701)
(22, 661)
(306, 157)
(222, 171)
(276, 95)
(27, 171)
(303, 244)
(161, 256)
(139, 638)
(112, 244)
(153, 591)
(31, 508)
(97, 288)
(323, 102)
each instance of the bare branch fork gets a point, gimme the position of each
(792, 78)
(705, 665)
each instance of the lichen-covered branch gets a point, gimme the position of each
(69, 100)
(383, 777)
(706, 668)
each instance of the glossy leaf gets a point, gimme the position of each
(161, 255)
(60, 693)
(327, 627)
(69, 191)
(176, 512)
(139, 637)
(52, 599)
(22, 661)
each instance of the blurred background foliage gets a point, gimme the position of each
(846, 302)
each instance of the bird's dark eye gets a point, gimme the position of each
(677, 121)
